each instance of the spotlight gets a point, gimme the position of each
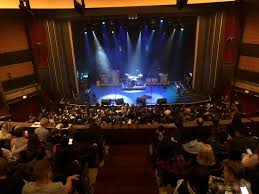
(79, 7)
(103, 22)
(153, 30)
(113, 32)
(24, 5)
(161, 21)
(181, 3)
(85, 32)
(182, 29)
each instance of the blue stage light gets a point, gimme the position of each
(113, 32)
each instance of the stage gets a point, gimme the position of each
(96, 94)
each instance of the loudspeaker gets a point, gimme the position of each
(162, 101)
(106, 102)
(181, 3)
(119, 101)
(141, 100)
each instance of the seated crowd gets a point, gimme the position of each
(131, 114)
(191, 160)
(47, 161)
(202, 160)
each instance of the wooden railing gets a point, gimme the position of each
(136, 126)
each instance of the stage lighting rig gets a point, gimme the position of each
(79, 7)
(25, 6)
(181, 4)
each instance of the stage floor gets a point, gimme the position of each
(130, 96)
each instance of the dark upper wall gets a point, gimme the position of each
(248, 68)
(15, 54)
(16, 61)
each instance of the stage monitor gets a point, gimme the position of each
(162, 101)
(119, 101)
(141, 100)
(105, 102)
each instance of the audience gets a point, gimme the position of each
(4, 133)
(42, 132)
(204, 166)
(43, 181)
(19, 143)
(251, 164)
(9, 185)
(232, 182)
(188, 159)
(132, 114)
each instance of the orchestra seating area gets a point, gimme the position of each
(174, 147)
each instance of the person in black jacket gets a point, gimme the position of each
(10, 185)
(240, 142)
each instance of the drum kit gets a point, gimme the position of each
(134, 80)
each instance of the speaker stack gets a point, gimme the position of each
(106, 102)
(161, 101)
(119, 101)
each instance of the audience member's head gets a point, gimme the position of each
(188, 134)
(233, 170)
(215, 121)
(34, 146)
(238, 132)
(4, 132)
(200, 121)
(206, 156)
(42, 170)
(19, 131)
(3, 167)
(4, 128)
(44, 122)
(251, 161)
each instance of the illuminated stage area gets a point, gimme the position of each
(125, 58)
(153, 93)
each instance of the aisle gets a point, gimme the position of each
(127, 170)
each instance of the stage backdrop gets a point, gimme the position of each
(135, 48)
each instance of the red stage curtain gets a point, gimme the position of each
(231, 33)
(38, 41)
(21, 110)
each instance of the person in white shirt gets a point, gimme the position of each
(42, 132)
(43, 184)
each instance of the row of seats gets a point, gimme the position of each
(69, 158)
(202, 160)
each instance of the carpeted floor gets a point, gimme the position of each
(127, 170)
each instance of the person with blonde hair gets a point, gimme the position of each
(4, 133)
(205, 166)
(206, 156)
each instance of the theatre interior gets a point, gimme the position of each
(129, 97)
